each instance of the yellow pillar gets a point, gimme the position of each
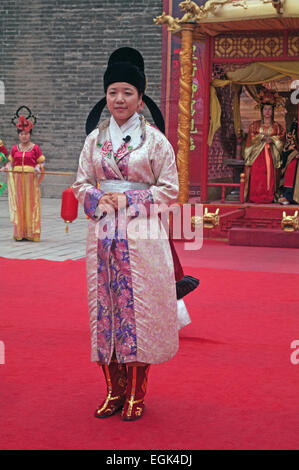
(184, 118)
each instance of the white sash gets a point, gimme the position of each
(120, 186)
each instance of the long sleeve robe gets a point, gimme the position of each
(131, 283)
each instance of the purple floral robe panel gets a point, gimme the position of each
(91, 201)
(138, 197)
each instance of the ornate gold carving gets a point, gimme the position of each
(195, 13)
(211, 219)
(248, 46)
(211, 5)
(109, 398)
(184, 118)
(171, 22)
(289, 223)
(293, 44)
(196, 221)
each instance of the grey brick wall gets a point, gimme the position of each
(53, 56)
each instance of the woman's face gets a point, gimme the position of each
(24, 137)
(267, 111)
(123, 101)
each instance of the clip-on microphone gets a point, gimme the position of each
(127, 139)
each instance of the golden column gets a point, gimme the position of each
(184, 118)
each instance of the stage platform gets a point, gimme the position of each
(250, 224)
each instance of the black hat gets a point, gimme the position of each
(125, 65)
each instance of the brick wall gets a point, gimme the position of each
(53, 54)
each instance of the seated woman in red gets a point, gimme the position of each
(263, 153)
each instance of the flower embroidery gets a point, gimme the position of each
(106, 149)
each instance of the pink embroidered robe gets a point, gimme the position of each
(131, 282)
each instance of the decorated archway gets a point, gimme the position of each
(253, 41)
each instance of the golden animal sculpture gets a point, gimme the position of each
(211, 219)
(171, 22)
(193, 11)
(289, 223)
(211, 5)
(196, 221)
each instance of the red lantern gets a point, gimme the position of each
(69, 207)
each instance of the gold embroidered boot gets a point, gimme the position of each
(116, 380)
(136, 389)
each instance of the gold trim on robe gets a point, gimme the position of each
(41, 159)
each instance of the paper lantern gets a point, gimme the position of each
(69, 207)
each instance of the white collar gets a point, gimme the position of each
(131, 128)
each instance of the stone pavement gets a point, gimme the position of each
(55, 244)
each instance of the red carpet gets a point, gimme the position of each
(231, 386)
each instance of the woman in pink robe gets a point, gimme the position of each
(127, 164)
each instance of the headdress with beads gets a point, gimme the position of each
(269, 97)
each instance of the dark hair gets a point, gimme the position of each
(22, 130)
(262, 109)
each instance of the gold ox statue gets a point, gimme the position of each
(209, 219)
(289, 223)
